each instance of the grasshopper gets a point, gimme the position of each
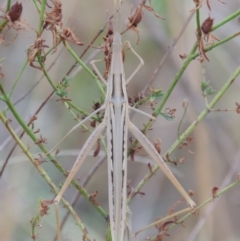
(117, 123)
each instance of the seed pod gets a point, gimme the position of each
(136, 17)
(110, 30)
(207, 25)
(15, 12)
(238, 108)
(157, 145)
(123, 56)
(96, 152)
(214, 192)
(67, 34)
(96, 105)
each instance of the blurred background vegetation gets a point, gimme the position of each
(214, 156)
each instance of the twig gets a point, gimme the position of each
(167, 54)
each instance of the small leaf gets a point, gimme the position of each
(156, 94)
(204, 85)
(159, 95)
(210, 91)
(166, 116)
(65, 82)
(152, 99)
(62, 87)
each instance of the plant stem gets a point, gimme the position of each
(31, 134)
(187, 131)
(75, 56)
(41, 20)
(41, 170)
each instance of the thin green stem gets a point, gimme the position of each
(167, 94)
(226, 20)
(75, 56)
(37, 5)
(31, 134)
(45, 72)
(41, 20)
(210, 47)
(8, 5)
(18, 77)
(181, 120)
(218, 194)
(51, 49)
(205, 112)
(198, 19)
(41, 170)
(4, 22)
(69, 103)
(86, 128)
(55, 89)
(175, 80)
(187, 131)
(192, 55)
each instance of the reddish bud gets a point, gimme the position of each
(207, 25)
(15, 12)
(136, 17)
(214, 192)
(96, 152)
